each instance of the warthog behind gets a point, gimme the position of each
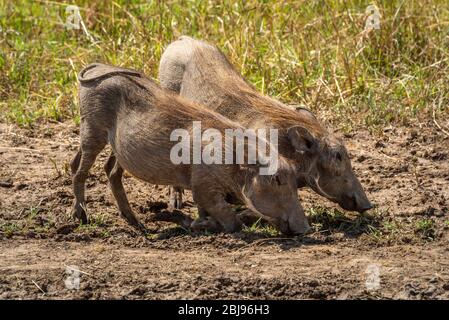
(136, 117)
(202, 73)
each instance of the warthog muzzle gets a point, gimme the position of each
(357, 203)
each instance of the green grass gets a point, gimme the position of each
(9, 228)
(264, 229)
(334, 220)
(309, 52)
(377, 226)
(96, 222)
(426, 228)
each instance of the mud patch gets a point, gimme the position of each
(404, 170)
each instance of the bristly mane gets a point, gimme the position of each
(220, 75)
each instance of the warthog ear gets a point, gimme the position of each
(301, 139)
(306, 112)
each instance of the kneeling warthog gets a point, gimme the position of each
(136, 117)
(201, 73)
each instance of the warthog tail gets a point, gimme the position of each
(96, 71)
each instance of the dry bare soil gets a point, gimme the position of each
(405, 171)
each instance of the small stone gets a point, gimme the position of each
(6, 183)
(379, 144)
(430, 290)
(314, 283)
(201, 291)
(21, 186)
(317, 294)
(433, 280)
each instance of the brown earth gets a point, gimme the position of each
(406, 238)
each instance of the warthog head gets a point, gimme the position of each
(326, 168)
(275, 198)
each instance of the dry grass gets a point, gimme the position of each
(315, 53)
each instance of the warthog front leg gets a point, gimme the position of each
(115, 172)
(175, 199)
(218, 209)
(208, 224)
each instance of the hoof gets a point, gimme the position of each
(80, 214)
(141, 228)
(233, 227)
(205, 224)
(134, 222)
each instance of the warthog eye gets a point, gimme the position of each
(309, 144)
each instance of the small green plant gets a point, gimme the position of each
(261, 228)
(55, 167)
(9, 229)
(95, 222)
(45, 228)
(33, 212)
(426, 228)
(331, 219)
(375, 233)
(105, 234)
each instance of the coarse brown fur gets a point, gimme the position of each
(202, 73)
(136, 117)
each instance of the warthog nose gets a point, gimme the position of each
(367, 206)
(359, 204)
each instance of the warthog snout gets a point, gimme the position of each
(355, 202)
(353, 196)
(282, 208)
(295, 224)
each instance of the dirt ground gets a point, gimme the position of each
(399, 250)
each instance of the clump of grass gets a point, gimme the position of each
(264, 229)
(378, 226)
(33, 212)
(96, 222)
(9, 229)
(425, 228)
(334, 220)
(105, 234)
(315, 53)
(44, 228)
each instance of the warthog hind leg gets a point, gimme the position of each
(75, 163)
(115, 172)
(81, 164)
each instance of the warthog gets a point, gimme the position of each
(136, 117)
(201, 73)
